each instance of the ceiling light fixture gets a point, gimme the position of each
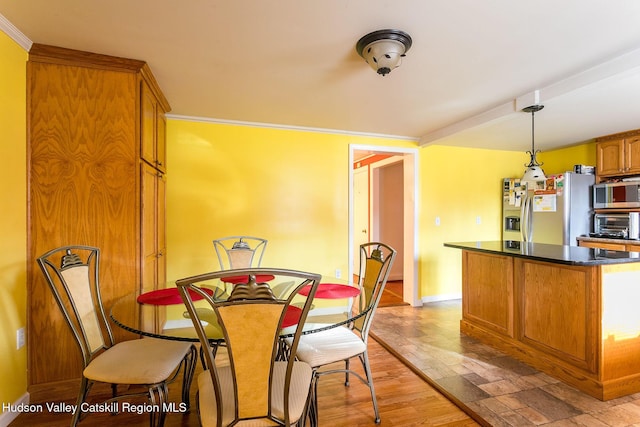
(384, 49)
(533, 171)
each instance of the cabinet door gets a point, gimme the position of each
(632, 155)
(149, 243)
(161, 230)
(148, 113)
(153, 124)
(557, 306)
(610, 157)
(487, 294)
(161, 140)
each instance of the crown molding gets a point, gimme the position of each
(288, 127)
(9, 29)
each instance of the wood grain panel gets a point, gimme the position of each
(149, 242)
(83, 190)
(632, 155)
(488, 290)
(610, 157)
(558, 311)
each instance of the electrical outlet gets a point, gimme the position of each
(338, 273)
(437, 221)
(19, 338)
(478, 220)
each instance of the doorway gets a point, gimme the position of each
(385, 163)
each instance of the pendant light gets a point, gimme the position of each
(533, 171)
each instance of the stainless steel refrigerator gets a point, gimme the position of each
(554, 211)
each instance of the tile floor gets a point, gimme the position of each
(493, 388)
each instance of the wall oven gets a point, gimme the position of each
(620, 195)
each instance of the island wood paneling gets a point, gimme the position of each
(558, 311)
(578, 323)
(488, 290)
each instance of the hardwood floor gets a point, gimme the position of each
(404, 400)
(392, 295)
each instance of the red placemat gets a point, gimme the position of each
(332, 291)
(260, 278)
(292, 316)
(168, 296)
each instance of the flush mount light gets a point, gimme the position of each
(384, 49)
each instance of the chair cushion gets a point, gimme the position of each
(140, 361)
(329, 346)
(299, 391)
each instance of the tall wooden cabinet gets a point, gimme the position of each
(96, 162)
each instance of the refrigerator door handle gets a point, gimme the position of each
(525, 214)
(523, 221)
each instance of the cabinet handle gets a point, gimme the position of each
(159, 163)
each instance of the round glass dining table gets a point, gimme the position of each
(162, 314)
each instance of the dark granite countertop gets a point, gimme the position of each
(571, 255)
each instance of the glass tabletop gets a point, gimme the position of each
(161, 314)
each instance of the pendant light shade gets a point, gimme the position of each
(533, 172)
(384, 49)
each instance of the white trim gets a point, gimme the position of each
(12, 31)
(439, 298)
(621, 66)
(288, 127)
(7, 416)
(411, 241)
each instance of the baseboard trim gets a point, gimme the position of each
(439, 298)
(7, 416)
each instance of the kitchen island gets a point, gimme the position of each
(571, 312)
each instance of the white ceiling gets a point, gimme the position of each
(472, 67)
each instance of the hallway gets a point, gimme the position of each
(392, 295)
(494, 389)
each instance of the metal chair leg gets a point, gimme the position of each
(84, 390)
(189, 370)
(346, 372)
(364, 358)
(313, 410)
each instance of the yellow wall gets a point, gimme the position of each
(13, 228)
(291, 187)
(562, 160)
(287, 186)
(458, 186)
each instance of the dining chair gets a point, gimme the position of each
(259, 384)
(146, 365)
(239, 251)
(345, 342)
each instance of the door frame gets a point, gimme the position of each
(410, 166)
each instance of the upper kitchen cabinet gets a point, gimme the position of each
(618, 155)
(90, 120)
